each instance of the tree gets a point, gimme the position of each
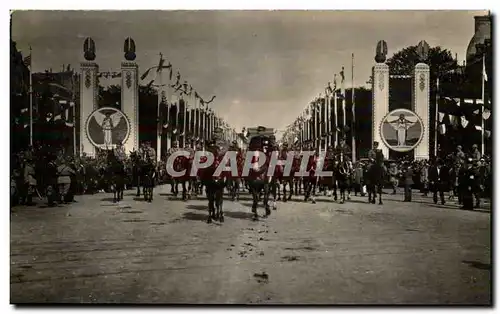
(440, 61)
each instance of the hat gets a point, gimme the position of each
(459, 146)
(474, 146)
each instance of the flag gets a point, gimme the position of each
(486, 114)
(342, 76)
(160, 64)
(453, 120)
(464, 122)
(442, 129)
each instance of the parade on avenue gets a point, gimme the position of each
(153, 191)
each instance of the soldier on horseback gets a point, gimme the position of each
(173, 182)
(375, 174)
(343, 150)
(286, 178)
(234, 182)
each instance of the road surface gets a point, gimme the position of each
(94, 251)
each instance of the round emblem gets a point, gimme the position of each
(401, 130)
(106, 127)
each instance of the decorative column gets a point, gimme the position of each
(88, 94)
(88, 103)
(130, 103)
(421, 92)
(380, 90)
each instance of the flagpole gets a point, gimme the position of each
(335, 109)
(436, 114)
(342, 87)
(73, 96)
(482, 106)
(158, 112)
(353, 108)
(31, 97)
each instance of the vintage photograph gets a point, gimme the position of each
(280, 157)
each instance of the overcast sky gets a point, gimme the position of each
(264, 66)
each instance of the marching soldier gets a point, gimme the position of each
(467, 184)
(29, 178)
(64, 173)
(478, 182)
(424, 177)
(439, 177)
(51, 183)
(394, 176)
(408, 180)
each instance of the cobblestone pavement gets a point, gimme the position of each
(324, 253)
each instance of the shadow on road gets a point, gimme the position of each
(197, 207)
(194, 216)
(107, 199)
(478, 265)
(239, 215)
(453, 206)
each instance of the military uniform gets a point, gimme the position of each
(64, 173)
(51, 186)
(343, 150)
(394, 177)
(408, 182)
(466, 185)
(29, 180)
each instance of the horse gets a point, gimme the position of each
(329, 183)
(311, 179)
(375, 178)
(343, 176)
(214, 184)
(116, 173)
(258, 180)
(182, 163)
(283, 179)
(233, 183)
(148, 179)
(136, 171)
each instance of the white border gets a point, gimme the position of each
(87, 121)
(382, 135)
(199, 4)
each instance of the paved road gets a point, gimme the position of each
(326, 253)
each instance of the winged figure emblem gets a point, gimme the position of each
(108, 122)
